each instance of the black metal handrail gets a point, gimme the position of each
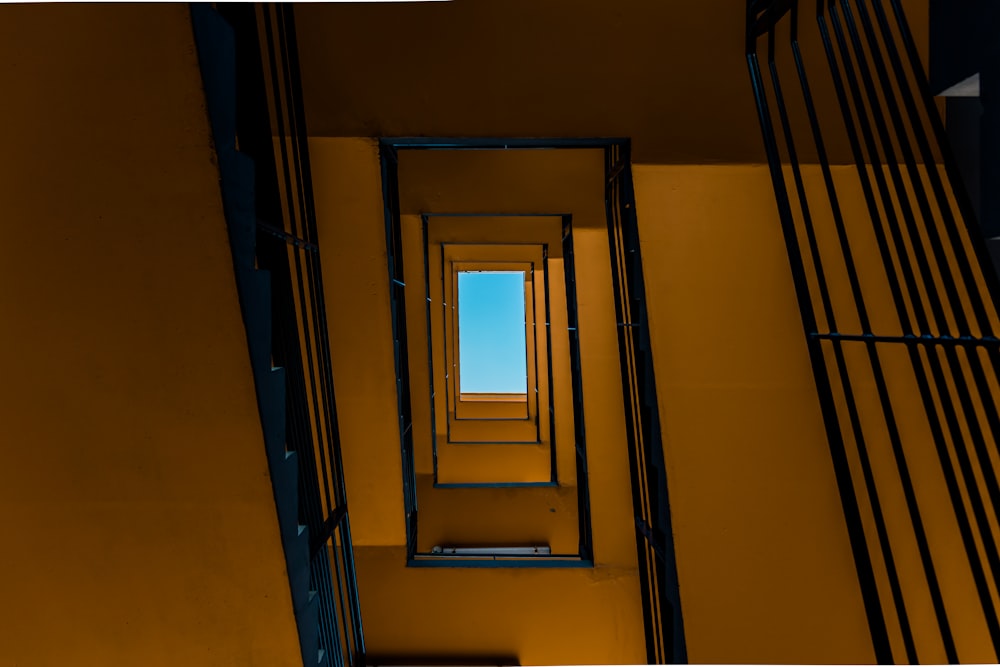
(251, 65)
(943, 295)
(665, 642)
(305, 344)
(397, 300)
(388, 149)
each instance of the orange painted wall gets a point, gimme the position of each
(765, 569)
(134, 488)
(138, 519)
(670, 75)
(763, 558)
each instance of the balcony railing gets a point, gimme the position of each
(249, 62)
(897, 301)
(654, 536)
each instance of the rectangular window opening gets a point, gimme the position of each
(470, 433)
(492, 335)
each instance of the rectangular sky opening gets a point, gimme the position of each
(492, 348)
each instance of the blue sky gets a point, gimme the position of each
(491, 345)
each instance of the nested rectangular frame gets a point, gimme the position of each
(534, 445)
(510, 422)
(546, 425)
(389, 148)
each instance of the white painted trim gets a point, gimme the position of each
(965, 88)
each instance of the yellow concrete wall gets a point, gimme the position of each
(134, 488)
(763, 558)
(138, 519)
(349, 209)
(669, 75)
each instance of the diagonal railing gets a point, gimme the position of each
(898, 306)
(250, 69)
(665, 641)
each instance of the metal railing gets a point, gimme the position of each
(654, 537)
(397, 300)
(897, 302)
(389, 153)
(267, 188)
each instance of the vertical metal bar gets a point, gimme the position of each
(924, 263)
(352, 589)
(871, 488)
(314, 402)
(339, 621)
(978, 509)
(314, 263)
(430, 346)
(274, 36)
(937, 245)
(852, 76)
(650, 490)
(547, 327)
(896, 121)
(580, 438)
(323, 403)
(908, 491)
(958, 377)
(968, 216)
(891, 219)
(394, 248)
(975, 239)
(849, 502)
(924, 387)
(929, 161)
(654, 626)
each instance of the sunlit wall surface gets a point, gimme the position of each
(139, 521)
(135, 488)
